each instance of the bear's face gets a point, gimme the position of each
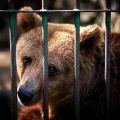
(60, 59)
(60, 66)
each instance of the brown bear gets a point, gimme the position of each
(29, 55)
(33, 112)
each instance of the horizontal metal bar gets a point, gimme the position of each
(54, 11)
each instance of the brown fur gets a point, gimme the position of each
(61, 55)
(25, 23)
(31, 113)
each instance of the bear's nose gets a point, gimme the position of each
(25, 95)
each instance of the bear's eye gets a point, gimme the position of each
(52, 70)
(27, 61)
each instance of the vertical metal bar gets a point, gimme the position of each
(45, 65)
(76, 4)
(13, 61)
(107, 56)
(44, 4)
(77, 60)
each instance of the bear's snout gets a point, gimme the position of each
(25, 95)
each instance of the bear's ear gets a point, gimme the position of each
(90, 37)
(27, 21)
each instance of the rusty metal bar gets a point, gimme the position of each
(77, 60)
(13, 61)
(107, 56)
(45, 64)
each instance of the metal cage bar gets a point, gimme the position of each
(13, 61)
(54, 11)
(107, 55)
(45, 64)
(77, 61)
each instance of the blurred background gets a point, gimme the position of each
(86, 19)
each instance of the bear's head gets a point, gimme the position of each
(61, 76)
